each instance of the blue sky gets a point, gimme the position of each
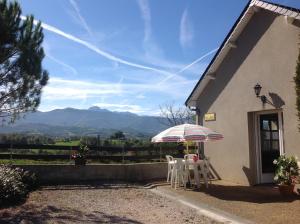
(129, 55)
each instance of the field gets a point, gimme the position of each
(61, 151)
(53, 162)
(68, 143)
(33, 162)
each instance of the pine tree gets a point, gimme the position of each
(297, 86)
(22, 76)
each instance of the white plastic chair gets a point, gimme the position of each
(194, 167)
(209, 175)
(178, 176)
(187, 168)
(204, 171)
(171, 162)
(190, 156)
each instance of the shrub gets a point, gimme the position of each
(297, 87)
(82, 151)
(29, 180)
(15, 184)
(286, 170)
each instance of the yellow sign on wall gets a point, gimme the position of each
(210, 117)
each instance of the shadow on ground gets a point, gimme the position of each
(90, 185)
(256, 194)
(87, 185)
(30, 213)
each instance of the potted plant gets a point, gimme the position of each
(80, 156)
(286, 174)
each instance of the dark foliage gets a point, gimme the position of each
(118, 135)
(21, 74)
(297, 87)
(15, 184)
(25, 139)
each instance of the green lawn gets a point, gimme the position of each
(70, 143)
(48, 162)
(38, 151)
(33, 162)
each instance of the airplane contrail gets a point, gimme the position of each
(199, 59)
(82, 20)
(188, 66)
(109, 56)
(97, 50)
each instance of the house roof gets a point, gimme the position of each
(229, 42)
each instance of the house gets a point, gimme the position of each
(261, 51)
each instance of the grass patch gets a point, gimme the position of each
(33, 162)
(69, 143)
(66, 162)
(37, 151)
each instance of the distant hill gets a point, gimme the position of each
(70, 121)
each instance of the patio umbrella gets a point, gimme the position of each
(185, 133)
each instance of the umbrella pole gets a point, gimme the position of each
(201, 149)
(187, 147)
(160, 152)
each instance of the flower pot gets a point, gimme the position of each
(286, 190)
(80, 162)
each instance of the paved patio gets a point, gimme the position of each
(259, 204)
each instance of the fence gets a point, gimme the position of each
(97, 153)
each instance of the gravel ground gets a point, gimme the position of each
(100, 204)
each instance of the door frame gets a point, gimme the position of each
(259, 176)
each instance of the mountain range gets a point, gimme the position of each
(71, 121)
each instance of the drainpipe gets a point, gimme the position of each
(199, 121)
(197, 110)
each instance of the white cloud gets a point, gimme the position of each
(65, 89)
(133, 108)
(140, 96)
(146, 15)
(60, 93)
(153, 53)
(186, 32)
(69, 67)
(137, 109)
(45, 108)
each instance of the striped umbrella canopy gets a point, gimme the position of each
(187, 132)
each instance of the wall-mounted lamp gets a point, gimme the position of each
(194, 108)
(257, 89)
